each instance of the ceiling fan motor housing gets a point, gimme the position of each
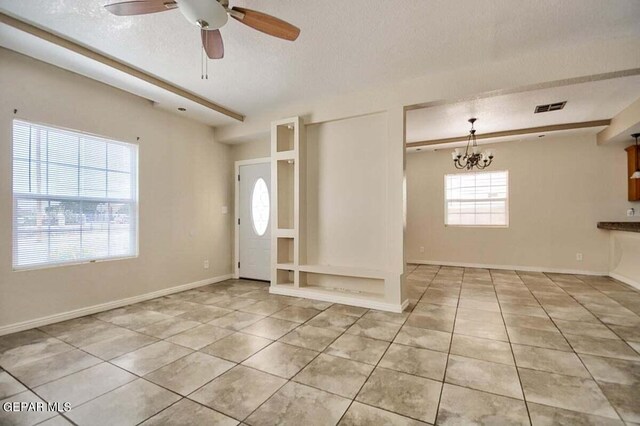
(206, 14)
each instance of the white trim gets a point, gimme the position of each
(446, 202)
(338, 298)
(133, 201)
(236, 227)
(509, 267)
(38, 266)
(625, 280)
(89, 310)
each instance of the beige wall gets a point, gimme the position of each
(185, 178)
(346, 184)
(559, 187)
(260, 148)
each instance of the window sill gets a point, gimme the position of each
(73, 263)
(477, 226)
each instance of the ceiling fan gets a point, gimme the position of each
(210, 16)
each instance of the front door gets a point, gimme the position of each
(255, 221)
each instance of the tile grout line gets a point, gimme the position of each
(270, 344)
(446, 366)
(573, 349)
(513, 356)
(597, 317)
(181, 396)
(314, 358)
(372, 370)
(290, 379)
(319, 352)
(236, 365)
(110, 363)
(578, 354)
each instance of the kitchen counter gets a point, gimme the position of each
(620, 226)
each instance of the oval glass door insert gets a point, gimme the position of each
(260, 207)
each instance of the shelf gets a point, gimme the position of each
(285, 136)
(285, 184)
(344, 271)
(284, 233)
(362, 299)
(284, 277)
(285, 155)
(286, 266)
(285, 251)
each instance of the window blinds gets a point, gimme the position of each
(74, 197)
(477, 199)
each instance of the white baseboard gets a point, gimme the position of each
(508, 267)
(90, 310)
(632, 283)
(339, 298)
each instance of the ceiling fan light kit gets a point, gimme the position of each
(206, 14)
(472, 156)
(210, 16)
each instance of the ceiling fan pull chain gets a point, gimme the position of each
(204, 60)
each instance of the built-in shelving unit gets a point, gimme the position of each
(286, 149)
(291, 274)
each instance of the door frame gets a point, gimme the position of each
(236, 219)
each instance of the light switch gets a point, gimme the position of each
(225, 210)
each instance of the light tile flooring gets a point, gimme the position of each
(478, 346)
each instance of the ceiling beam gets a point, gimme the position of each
(527, 131)
(622, 125)
(115, 64)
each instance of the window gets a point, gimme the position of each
(477, 199)
(74, 197)
(260, 207)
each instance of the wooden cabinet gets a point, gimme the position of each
(634, 184)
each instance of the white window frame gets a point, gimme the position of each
(134, 203)
(446, 203)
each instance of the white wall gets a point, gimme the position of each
(185, 178)
(559, 188)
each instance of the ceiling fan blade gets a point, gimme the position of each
(265, 23)
(140, 7)
(212, 43)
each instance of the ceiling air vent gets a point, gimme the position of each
(556, 106)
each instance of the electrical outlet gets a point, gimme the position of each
(579, 257)
(631, 212)
(206, 264)
(421, 249)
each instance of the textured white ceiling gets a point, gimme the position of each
(596, 100)
(344, 46)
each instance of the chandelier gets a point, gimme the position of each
(472, 156)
